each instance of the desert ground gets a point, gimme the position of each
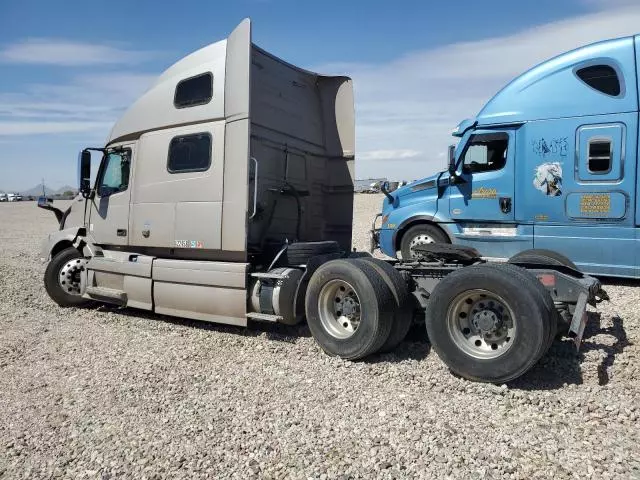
(117, 393)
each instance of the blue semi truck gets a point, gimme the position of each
(549, 163)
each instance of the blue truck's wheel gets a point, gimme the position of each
(420, 235)
(349, 309)
(486, 324)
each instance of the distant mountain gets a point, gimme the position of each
(67, 188)
(37, 191)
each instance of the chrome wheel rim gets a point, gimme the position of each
(481, 324)
(421, 239)
(339, 309)
(69, 277)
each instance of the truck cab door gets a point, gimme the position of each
(484, 188)
(109, 216)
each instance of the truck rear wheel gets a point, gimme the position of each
(404, 301)
(62, 278)
(420, 235)
(349, 309)
(487, 325)
(551, 319)
(543, 257)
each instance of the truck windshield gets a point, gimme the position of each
(115, 173)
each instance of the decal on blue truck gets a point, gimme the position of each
(548, 179)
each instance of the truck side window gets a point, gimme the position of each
(486, 153)
(189, 153)
(194, 91)
(602, 78)
(600, 156)
(115, 173)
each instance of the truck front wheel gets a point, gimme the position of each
(62, 278)
(487, 325)
(420, 235)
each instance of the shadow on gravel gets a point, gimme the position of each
(415, 346)
(619, 282)
(562, 364)
(618, 332)
(274, 331)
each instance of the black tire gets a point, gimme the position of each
(543, 257)
(530, 318)
(547, 257)
(299, 253)
(404, 301)
(376, 309)
(55, 268)
(431, 231)
(551, 319)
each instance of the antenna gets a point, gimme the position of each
(44, 192)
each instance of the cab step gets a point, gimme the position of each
(264, 317)
(109, 295)
(272, 276)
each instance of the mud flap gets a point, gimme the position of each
(579, 320)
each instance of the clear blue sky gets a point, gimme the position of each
(67, 72)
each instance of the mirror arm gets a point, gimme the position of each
(383, 189)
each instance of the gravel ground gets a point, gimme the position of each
(107, 393)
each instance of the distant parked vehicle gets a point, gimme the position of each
(373, 188)
(368, 185)
(3, 197)
(14, 197)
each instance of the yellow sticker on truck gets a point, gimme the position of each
(486, 193)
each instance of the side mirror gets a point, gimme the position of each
(44, 202)
(452, 159)
(84, 172)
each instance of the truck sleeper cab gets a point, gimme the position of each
(549, 163)
(225, 194)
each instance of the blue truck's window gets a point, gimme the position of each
(189, 153)
(600, 156)
(194, 91)
(603, 78)
(486, 153)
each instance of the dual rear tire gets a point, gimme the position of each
(357, 307)
(488, 323)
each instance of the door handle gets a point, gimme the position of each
(255, 188)
(121, 232)
(505, 204)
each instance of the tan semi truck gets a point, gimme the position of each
(225, 194)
